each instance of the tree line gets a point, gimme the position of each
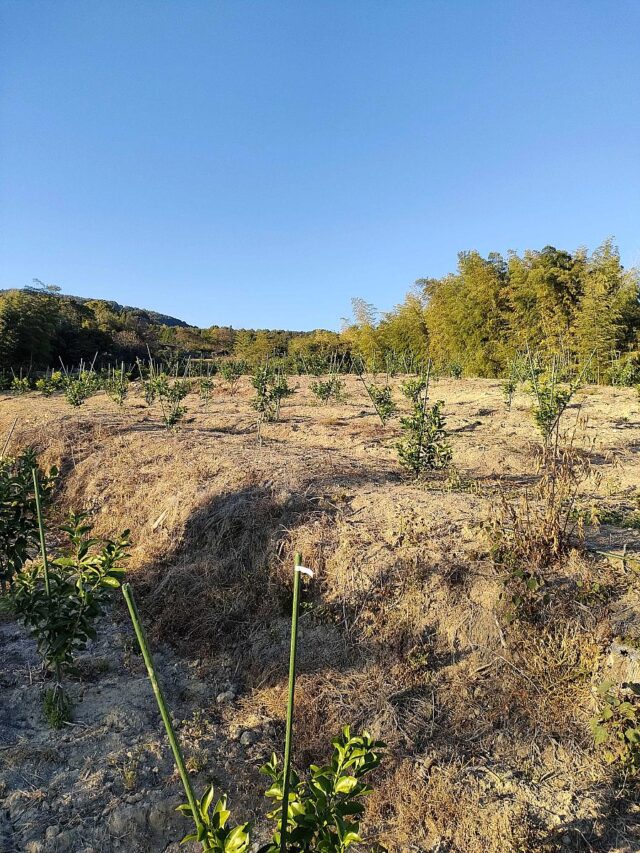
(580, 307)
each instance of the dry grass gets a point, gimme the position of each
(402, 629)
(421, 807)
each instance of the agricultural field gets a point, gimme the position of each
(481, 619)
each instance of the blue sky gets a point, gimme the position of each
(259, 163)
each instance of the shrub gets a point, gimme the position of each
(59, 600)
(18, 518)
(413, 388)
(331, 389)
(424, 446)
(551, 395)
(171, 393)
(117, 386)
(616, 728)
(149, 382)
(231, 372)
(271, 389)
(382, 398)
(551, 401)
(75, 392)
(205, 389)
(324, 812)
(211, 826)
(79, 388)
(50, 383)
(20, 384)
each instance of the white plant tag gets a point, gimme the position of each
(304, 570)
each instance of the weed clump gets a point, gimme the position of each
(532, 534)
(616, 728)
(56, 707)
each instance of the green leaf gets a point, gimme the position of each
(346, 784)
(207, 799)
(238, 839)
(600, 735)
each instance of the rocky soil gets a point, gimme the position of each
(106, 781)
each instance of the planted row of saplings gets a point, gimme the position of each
(59, 598)
(424, 443)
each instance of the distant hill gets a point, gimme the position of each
(155, 317)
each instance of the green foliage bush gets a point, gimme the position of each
(171, 393)
(324, 811)
(205, 389)
(232, 371)
(78, 388)
(49, 384)
(116, 385)
(271, 389)
(616, 728)
(329, 389)
(382, 398)
(62, 617)
(424, 446)
(213, 832)
(21, 384)
(18, 519)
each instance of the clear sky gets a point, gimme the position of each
(259, 163)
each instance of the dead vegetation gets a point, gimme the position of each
(405, 630)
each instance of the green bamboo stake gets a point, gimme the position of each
(43, 547)
(162, 705)
(297, 561)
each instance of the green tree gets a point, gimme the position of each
(608, 298)
(28, 324)
(466, 315)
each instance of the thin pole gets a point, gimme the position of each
(297, 561)
(43, 547)
(6, 444)
(162, 705)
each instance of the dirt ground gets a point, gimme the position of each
(403, 628)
